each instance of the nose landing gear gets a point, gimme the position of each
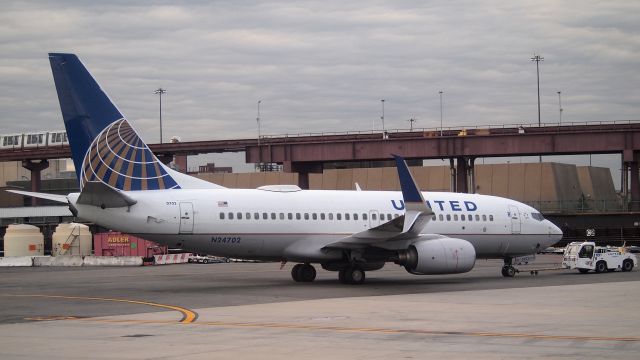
(508, 270)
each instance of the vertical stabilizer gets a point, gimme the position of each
(104, 146)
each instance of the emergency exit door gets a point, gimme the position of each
(186, 218)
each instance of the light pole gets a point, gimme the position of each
(537, 59)
(440, 92)
(411, 121)
(560, 105)
(382, 117)
(160, 91)
(258, 121)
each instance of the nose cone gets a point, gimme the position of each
(555, 234)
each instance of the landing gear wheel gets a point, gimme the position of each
(508, 271)
(303, 273)
(307, 273)
(601, 267)
(627, 265)
(295, 272)
(353, 275)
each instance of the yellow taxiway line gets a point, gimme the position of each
(188, 316)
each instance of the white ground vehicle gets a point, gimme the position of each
(205, 259)
(586, 256)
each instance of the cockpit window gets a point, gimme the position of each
(537, 216)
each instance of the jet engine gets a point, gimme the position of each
(438, 256)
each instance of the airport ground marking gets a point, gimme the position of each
(188, 316)
(366, 330)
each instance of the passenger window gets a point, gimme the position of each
(441, 217)
(448, 217)
(477, 217)
(281, 216)
(230, 216)
(338, 216)
(221, 216)
(298, 217)
(355, 216)
(265, 216)
(290, 216)
(322, 217)
(389, 217)
(433, 218)
(273, 216)
(248, 217)
(330, 216)
(346, 216)
(455, 217)
(490, 217)
(462, 217)
(239, 216)
(306, 216)
(373, 217)
(364, 216)
(484, 218)
(314, 216)
(256, 216)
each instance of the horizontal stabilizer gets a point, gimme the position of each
(99, 194)
(52, 197)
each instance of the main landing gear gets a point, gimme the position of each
(352, 274)
(303, 273)
(349, 274)
(508, 270)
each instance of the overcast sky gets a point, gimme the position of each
(324, 65)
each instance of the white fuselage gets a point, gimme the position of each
(262, 224)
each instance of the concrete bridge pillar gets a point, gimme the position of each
(36, 179)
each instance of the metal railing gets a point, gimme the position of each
(450, 129)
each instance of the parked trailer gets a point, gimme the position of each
(586, 256)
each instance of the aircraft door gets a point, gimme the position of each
(514, 214)
(374, 218)
(186, 218)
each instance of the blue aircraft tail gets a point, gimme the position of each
(104, 146)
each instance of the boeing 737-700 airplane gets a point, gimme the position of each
(124, 187)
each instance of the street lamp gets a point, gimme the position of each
(411, 121)
(440, 92)
(258, 121)
(537, 59)
(382, 117)
(560, 105)
(159, 92)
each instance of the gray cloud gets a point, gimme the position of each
(324, 66)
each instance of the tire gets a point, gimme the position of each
(307, 273)
(295, 272)
(583, 271)
(205, 261)
(341, 276)
(627, 265)
(354, 275)
(601, 266)
(508, 271)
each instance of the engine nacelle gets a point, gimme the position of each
(438, 256)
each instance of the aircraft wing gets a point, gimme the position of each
(52, 197)
(417, 215)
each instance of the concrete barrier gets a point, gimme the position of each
(172, 258)
(58, 260)
(112, 261)
(16, 261)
